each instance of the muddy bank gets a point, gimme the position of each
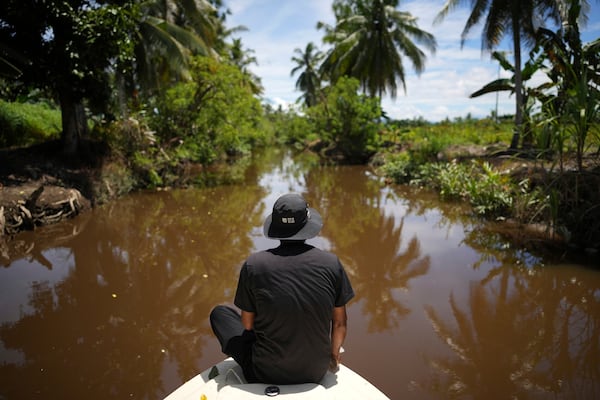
(39, 186)
(37, 203)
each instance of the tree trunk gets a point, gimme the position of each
(514, 144)
(74, 122)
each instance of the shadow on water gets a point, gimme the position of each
(114, 303)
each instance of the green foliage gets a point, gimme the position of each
(347, 120)
(166, 35)
(488, 191)
(570, 113)
(143, 162)
(533, 204)
(430, 138)
(126, 136)
(118, 179)
(212, 115)
(500, 16)
(69, 49)
(24, 124)
(288, 127)
(133, 147)
(399, 167)
(242, 58)
(426, 149)
(422, 143)
(67, 45)
(149, 165)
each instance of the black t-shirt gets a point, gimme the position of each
(292, 290)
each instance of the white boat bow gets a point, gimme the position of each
(225, 381)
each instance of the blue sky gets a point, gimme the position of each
(277, 27)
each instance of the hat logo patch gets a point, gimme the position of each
(292, 219)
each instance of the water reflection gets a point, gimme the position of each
(527, 328)
(114, 304)
(524, 333)
(369, 242)
(135, 294)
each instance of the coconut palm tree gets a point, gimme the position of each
(369, 39)
(242, 58)
(309, 81)
(169, 31)
(520, 18)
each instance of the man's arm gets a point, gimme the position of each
(338, 334)
(248, 320)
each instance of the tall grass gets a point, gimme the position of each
(24, 124)
(430, 156)
(411, 145)
(459, 131)
(527, 191)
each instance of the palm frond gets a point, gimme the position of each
(187, 39)
(448, 6)
(160, 44)
(495, 86)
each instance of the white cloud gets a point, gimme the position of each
(277, 27)
(238, 7)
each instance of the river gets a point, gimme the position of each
(114, 303)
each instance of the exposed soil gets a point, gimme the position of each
(40, 186)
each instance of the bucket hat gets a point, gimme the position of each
(292, 219)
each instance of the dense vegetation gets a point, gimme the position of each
(166, 85)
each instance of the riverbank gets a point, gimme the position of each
(530, 198)
(39, 187)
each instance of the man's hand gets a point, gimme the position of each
(248, 320)
(334, 362)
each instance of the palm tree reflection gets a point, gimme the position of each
(527, 332)
(368, 241)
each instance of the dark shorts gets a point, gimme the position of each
(235, 341)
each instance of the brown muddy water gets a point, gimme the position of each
(114, 304)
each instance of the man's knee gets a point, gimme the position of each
(224, 317)
(217, 312)
(218, 318)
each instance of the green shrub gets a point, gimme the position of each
(430, 138)
(399, 167)
(427, 147)
(348, 120)
(214, 114)
(289, 127)
(489, 191)
(451, 180)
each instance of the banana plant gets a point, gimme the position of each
(575, 76)
(572, 68)
(508, 84)
(530, 94)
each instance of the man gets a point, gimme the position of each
(293, 303)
